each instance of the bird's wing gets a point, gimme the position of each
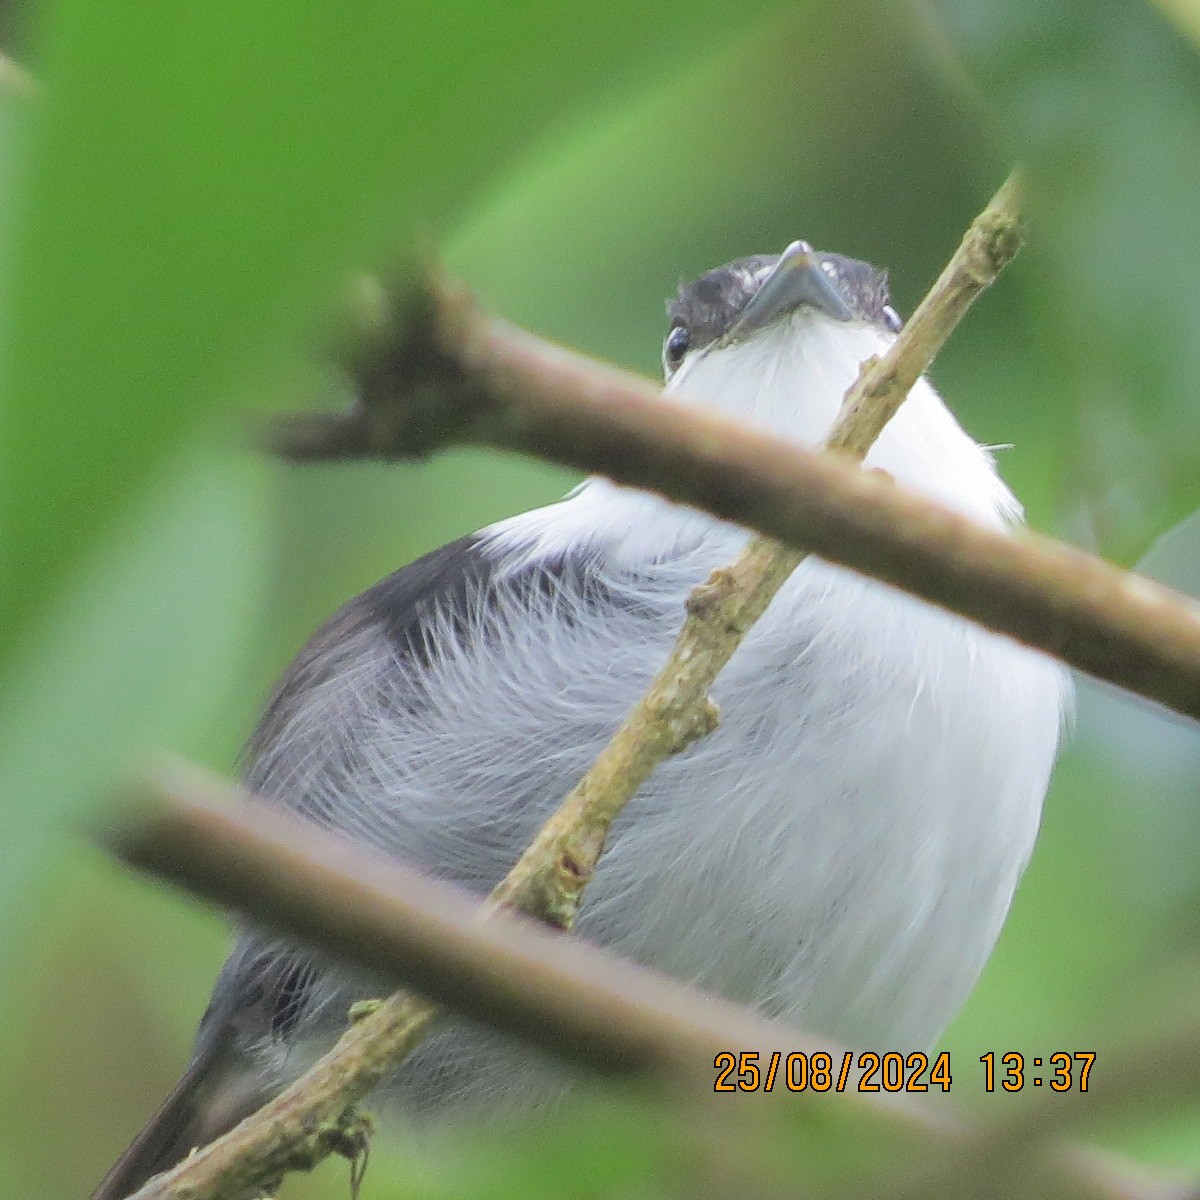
(394, 614)
(418, 649)
(384, 710)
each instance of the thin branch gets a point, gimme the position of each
(192, 829)
(551, 875)
(436, 370)
(989, 245)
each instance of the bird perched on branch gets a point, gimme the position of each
(841, 852)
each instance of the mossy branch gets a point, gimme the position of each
(551, 875)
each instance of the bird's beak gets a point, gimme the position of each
(797, 278)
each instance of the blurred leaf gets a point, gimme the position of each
(193, 183)
(1103, 101)
(199, 177)
(1185, 14)
(142, 646)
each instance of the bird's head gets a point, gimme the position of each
(756, 298)
(779, 339)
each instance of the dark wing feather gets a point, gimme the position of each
(448, 580)
(265, 986)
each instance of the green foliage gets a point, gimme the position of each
(181, 204)
(1103, 101)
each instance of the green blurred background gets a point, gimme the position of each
(181, 201)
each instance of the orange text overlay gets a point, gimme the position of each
(867, 1071)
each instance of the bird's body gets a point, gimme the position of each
(840, 852)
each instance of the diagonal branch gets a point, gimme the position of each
(355, 906)
(437, 370)
(988, 246)
(200, 831)
(551, 875)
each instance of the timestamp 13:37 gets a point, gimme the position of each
(824, 1071)
(1061, 1071)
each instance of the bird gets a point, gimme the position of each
(840, 852)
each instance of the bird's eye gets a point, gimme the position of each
(678, 341)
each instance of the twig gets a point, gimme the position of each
(438, 370)
(675, 709)
(191, 829)
(988, 246)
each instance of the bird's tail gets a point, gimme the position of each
(207, 1101)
